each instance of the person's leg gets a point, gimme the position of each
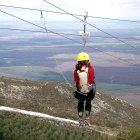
(87, 111)
(80, 108)
(88, 108)
(81, 112)
(88, 105)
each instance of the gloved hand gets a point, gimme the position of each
(90, 87)
(77, 87)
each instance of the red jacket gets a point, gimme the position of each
(91, 75)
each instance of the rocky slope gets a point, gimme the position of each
(57, 99)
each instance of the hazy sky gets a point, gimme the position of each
(124, 9)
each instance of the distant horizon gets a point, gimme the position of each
(40, 56)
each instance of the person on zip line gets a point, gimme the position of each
(84, 77)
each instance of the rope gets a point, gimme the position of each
(64, 77)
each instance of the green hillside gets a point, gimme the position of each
(18, 127)
(108, 113)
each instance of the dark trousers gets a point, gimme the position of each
(87, 99)
(82, 108)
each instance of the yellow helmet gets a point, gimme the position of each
(83, 56)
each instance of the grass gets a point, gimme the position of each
(17, 127)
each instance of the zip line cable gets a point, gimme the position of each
(34, 9)
(43, 21)
(75, 15)
(69, 34)
(64, 77)
(91, 25)
(126, 20)
(132, 38)
(38, 26)
(22, 30)
(79, 19)
(64, 36)
(121, 59)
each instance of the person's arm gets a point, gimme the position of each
(91, 75)
(76, 78)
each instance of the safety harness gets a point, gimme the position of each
(83, 77)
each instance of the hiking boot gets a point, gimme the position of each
(81, 123)
(86, 122)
